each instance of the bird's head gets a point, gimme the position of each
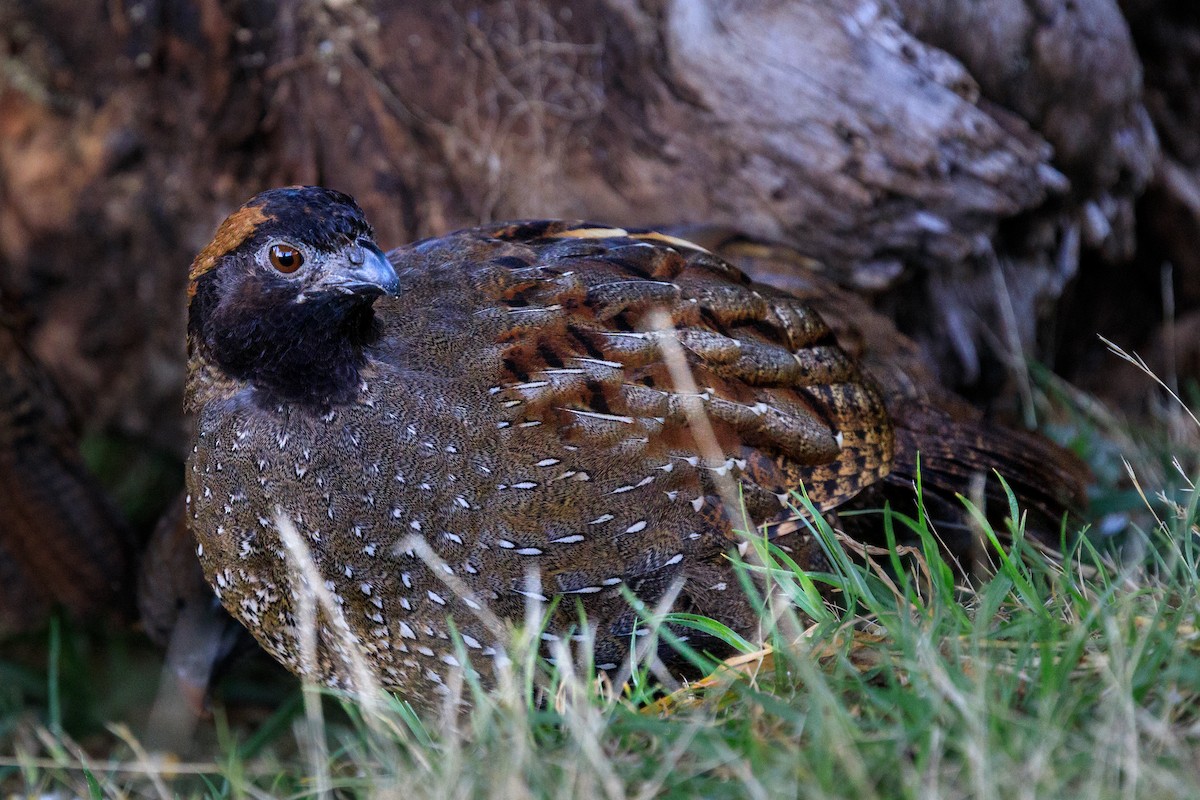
(282, 297)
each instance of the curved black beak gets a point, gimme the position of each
(360, 269)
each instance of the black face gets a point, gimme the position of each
(282, 296)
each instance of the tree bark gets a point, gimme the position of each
(953, 160)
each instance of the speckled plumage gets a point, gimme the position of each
(509, 407)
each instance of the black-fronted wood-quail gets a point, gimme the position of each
(545, 411)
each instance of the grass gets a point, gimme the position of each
(1072, 679)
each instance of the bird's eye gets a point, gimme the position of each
(286, 258)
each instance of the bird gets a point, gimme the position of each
(560, 413)
(62, 540)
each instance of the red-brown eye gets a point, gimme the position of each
(286, 258)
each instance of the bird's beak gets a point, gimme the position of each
(361, 269)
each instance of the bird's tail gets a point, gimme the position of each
(953, 459)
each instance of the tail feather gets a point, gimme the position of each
(954, 459)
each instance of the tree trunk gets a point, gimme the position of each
(958, 161)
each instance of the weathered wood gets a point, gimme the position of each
(895, 141)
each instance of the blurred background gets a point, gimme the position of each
(1005, 178)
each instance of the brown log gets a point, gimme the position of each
(877, 137)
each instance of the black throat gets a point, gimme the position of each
(310, 352)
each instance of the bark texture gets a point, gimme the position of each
(957, 161)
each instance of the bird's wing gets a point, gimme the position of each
(638, 345)
(956, 451)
